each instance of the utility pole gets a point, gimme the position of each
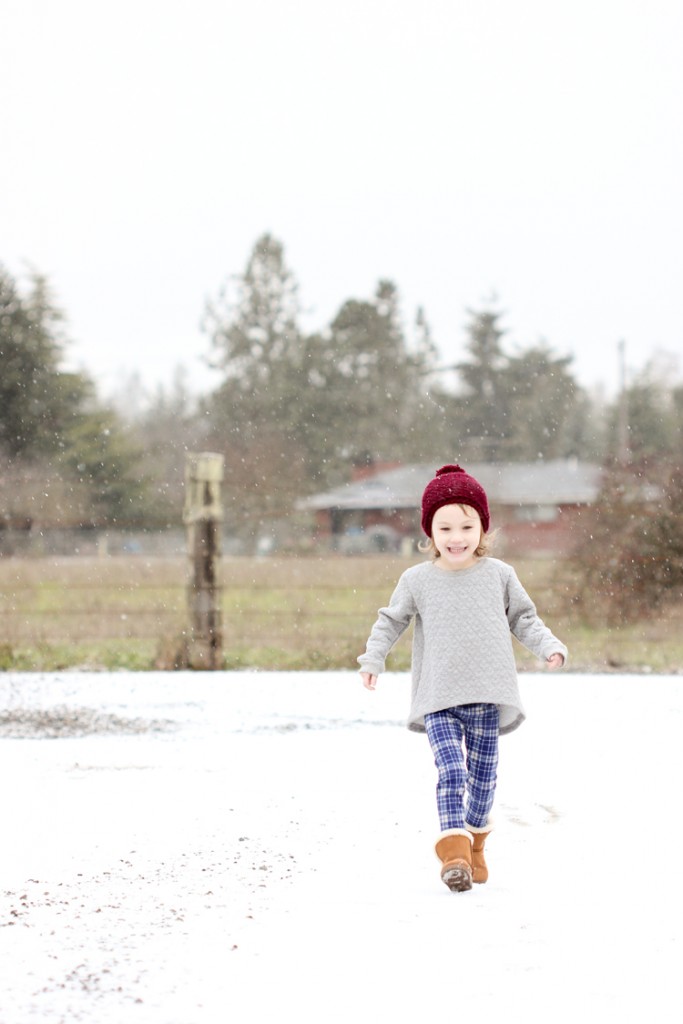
(203, 516)
(623, 452)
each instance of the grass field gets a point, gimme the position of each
(289, 613)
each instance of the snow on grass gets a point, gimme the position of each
(265, 849)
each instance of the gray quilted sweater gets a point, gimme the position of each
(462, 646)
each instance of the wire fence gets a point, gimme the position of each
(132, 611)
(322, 605)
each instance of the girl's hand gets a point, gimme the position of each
(555, 661)
(369, 681)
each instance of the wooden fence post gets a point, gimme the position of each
(203, 516)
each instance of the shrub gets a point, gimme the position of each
(630, 557)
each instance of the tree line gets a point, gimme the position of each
(295, 411)
(65, 456)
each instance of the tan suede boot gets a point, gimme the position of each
(454, 850)
(480, 872)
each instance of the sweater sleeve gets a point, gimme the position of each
(391, 623)
(525, 623)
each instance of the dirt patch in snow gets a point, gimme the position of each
(62, 722)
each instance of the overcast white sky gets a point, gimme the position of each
(529, 148)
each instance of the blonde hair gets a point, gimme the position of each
(486, 542)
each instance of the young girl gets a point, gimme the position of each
(464, 691)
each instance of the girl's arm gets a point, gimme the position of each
(528, 628)
(391, 623)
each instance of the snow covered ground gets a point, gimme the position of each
(259, 846)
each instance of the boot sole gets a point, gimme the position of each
(458, 878)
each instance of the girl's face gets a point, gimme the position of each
(456, 532)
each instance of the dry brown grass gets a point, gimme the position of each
(289, 613)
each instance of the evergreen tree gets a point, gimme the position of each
(519, 407)
(436, 418)
(542, 397)
(102, 458)
(294, 412)
(484, 409)
(652, 414)
(34, 404)
(379, 384)
(254, 334)
(52, 426)
(254, 413)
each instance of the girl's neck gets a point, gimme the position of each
(438, 562)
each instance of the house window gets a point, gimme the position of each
(536, 513)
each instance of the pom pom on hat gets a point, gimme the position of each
(453, 486)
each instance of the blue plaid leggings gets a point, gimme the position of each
(464, 742)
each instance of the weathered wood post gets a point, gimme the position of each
(203, 516)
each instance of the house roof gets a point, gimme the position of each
(559, 482)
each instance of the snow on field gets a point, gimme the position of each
(259, 846)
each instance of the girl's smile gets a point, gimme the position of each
(456, 532)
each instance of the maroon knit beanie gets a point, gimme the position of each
(453, 486)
